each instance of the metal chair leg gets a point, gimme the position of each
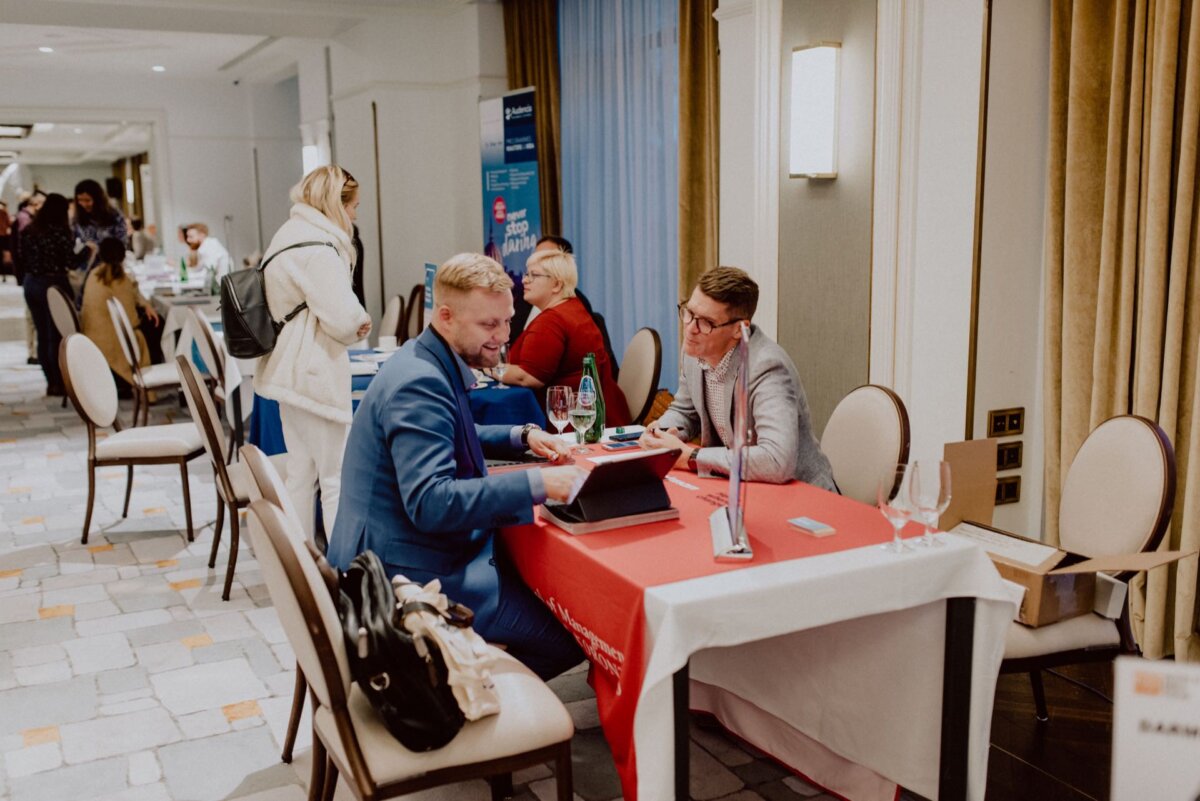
(316, 782)
(331, 777)
(1039, 696)
(564, 782)
(128, 492)
(187, 500)
(218, 525)
(501, 786)
(233, 549)
(289, 739)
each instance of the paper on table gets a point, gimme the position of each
(363, 368)
(621, 457)
(1022, 552)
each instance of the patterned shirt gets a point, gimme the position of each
(714, 395)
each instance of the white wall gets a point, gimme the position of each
(1009, 357)
(428, 120)
(62, 178)
(202, 154)
(274, 125)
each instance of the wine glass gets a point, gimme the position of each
(929, 491)
(501, 366)
(891, 504)
(583, 414)
(559, 400)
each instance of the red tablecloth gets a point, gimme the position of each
(595, 583)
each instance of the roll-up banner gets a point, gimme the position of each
(512, 216)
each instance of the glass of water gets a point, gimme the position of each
(559, 400)
(890, 499)
(501, 366)
(929, 491)
(583, 414)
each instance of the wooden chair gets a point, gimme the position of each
(212, 352)
(640, 368)
(390, 325)
(145, 379)
(93, 392)
(1118, 498)
(233, 481)
(349, 738)
(64, 315)
(414, 318)
(866, 435)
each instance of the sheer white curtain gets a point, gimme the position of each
(619, 66)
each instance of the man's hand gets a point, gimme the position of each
(364, 329)
(669, 438)
(558, 481)
(545, 444)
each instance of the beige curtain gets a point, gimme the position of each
(531, 53)
(1122, 276)
(698, 140)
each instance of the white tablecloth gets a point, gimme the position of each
(859, 670)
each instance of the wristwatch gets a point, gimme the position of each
(525, 429)
(691, 462)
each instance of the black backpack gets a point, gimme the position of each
(403, 676)
(249, 329)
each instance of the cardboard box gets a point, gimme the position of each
(1058, 584)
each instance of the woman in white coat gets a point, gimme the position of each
(308, 372)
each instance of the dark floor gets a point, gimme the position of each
(1065, 759)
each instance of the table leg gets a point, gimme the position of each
(683, 742)
(956, 699)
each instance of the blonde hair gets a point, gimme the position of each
(466, 271)
(328, 189)
(560, 266)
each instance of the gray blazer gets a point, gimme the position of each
(782, 444)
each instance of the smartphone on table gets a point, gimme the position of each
(619, 446)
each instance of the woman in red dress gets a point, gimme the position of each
(550, 350)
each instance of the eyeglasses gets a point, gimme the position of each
(703, 324)
(531, 276)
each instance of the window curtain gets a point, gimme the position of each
(1122, 277)
(699, 140)
(531, 54)
(619, 65)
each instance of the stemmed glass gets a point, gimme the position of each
(559, 400)
(501, 366)
(583, 414)
(929, 491)
(891, 504)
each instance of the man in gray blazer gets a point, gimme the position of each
(782, 446)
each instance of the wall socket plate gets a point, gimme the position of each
(1006, 422)
(1009, 455)
(1008, 490)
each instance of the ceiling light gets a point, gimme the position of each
(159, 68)
(14, 131)
(44, 49)
(78, 130)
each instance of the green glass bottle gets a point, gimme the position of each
(589, 371)
(183, 276)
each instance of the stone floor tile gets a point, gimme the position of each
(709, 778)
(102, 652)
(800, 787)
(571, 686)
(711, 738)
(111, 682)
(207, 686)
(592, 767)
(38, 655)
(204, 724)
(124, 707)
(547, 790)
(267, 622)
(742, 795)
(76, 782)
(102, 575)
(290, 792)
(164, 656)
(37, 632)
(118, 734)
(19, 609)
(88, 593)
(175, 630)
(31, 760)
(780, 790)
(760, 771)
(95, 610)
(248, 760)
(584, 713)
(47, 673)
(527, 775)
(146, 792)
(228, 626)
(122, 622)
(144, 768)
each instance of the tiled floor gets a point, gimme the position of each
(123, 676)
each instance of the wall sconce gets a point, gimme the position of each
(813, 146)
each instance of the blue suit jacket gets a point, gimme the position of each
(414, 486)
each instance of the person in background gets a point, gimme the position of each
(108, 279)
(308, 372)
(96, 219)
(357, 279)
(207, 252)
(416, 490)
(28, 204)
(550, 350)
(47, 251)
(140, 240)
(782, 445)
(6, 259)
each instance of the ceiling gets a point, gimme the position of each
(73, 144)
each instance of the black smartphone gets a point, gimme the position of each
(628, 436)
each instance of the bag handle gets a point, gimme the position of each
(271, 258)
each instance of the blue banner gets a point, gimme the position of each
(512, 214)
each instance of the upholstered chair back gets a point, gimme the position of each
(866, 436)
(393, 316)
(270, 484)
(62, 312)
(211, 351)
(89, 381)
(640, 368)
(125, 335)
(204, 411)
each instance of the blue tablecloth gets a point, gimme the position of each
(490, 406)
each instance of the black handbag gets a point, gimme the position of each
(403, 676)
(246, 322)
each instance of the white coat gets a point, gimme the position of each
(309, 367)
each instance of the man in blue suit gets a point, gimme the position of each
(414, 486)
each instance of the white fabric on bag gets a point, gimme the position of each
(469, 661)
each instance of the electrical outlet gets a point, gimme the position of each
(1006, 422)
(1008, 490)
(1008, 455)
